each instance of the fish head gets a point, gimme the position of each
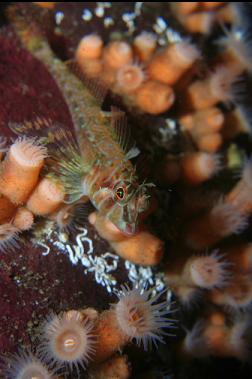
(122, 204)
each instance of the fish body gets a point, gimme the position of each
(98, 164)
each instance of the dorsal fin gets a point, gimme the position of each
(45, 129)
(39, 125)
(65, 138)
(122, 131)
(94, 85)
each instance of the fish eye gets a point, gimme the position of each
(120, 193)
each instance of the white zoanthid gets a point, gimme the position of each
(26, 366)
(240, 196)
(29, 151)
(67, 341)
(70, 216)
(23, 219)
(129, 77)
(145, 45)
(238, 39)
(221, 82)
(194, 343)
(8, 237)
(189, 297)
(210, 271)
(226, 219)
(198, 166)
(238, 43)
(64, 217)
(90, 47)
(21, 167)
(141, 317)
(239, 340)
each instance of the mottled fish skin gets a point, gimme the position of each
(98, 166)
